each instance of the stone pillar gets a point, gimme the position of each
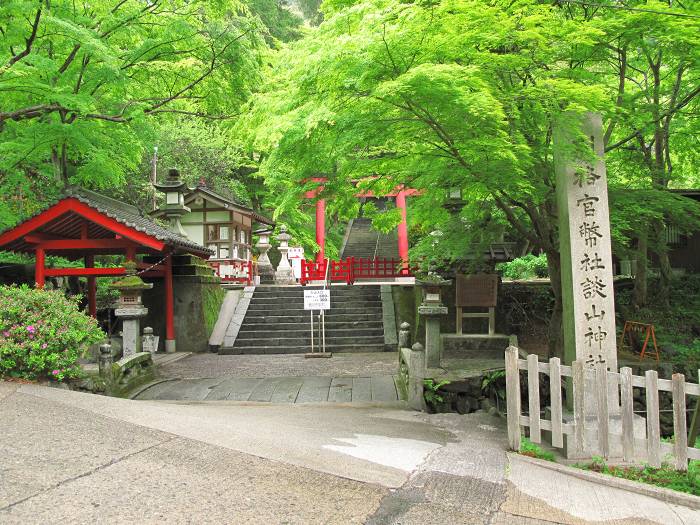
(433, 344)
(405, 335)
(584, 235)
(432, 309)
(284, 273)
(265, 269)
(105, 361)
(416, 366)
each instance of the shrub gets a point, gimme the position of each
(527, 267)
(42, 333)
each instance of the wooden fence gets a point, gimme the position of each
(592, 387)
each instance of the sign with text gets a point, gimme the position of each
(317, 299)
(586, 257)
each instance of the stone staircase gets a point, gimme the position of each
(276, 322)
(367, 243)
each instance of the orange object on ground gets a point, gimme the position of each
(645, 330)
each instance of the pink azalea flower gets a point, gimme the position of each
(31, 329)
(43, 346)
(6, 334)
(55, 372)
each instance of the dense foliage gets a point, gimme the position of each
(89, 88)
(464, 94)
(42, 333)
(527, 267)
(438, 95)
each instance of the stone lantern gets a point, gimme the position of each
(265, 269)
(174, 188)
(454, 202)
(432, 309)
(130, 307)
(284, 273)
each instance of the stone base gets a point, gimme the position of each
(477, 346)
(591, 447)
(285, 276)
(170, 346)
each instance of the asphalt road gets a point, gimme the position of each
(67, 457)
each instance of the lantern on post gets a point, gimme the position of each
(174, 188)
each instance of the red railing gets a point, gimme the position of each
(234, 271)
(351, 269)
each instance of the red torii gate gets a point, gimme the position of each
(84, 224)
(399, 193)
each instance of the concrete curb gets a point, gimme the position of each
(236, 321)
(662, 494)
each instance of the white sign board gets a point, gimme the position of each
(317, 299)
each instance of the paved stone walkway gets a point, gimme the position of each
(378, 389)
(282, 365)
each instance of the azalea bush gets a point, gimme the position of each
(42, 333)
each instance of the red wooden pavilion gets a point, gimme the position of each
(83, 224)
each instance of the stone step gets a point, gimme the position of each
(336, 291)
(330, 325)
(298, 303)
(299, 349)
(270, 319)
(377, 310)
(305, 331)
(306, 342)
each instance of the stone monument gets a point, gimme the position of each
(130, 308)
(587, 272)
(584, 237)
(284, 273)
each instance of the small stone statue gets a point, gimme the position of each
(149, 342)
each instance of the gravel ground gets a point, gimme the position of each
(280, 365)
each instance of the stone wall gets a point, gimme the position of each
(198, 297)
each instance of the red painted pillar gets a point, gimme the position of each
(92, 287)
(403, 229)
(39, 267)
(131, 253)
(320, 229)
(169, 306)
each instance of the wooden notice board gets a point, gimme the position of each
(479, 290)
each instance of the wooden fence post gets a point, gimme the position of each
(680, 443)
(513, 397)
(627, 407)
(695, 421)
(653, 429)
(533, 395)
(555, 396)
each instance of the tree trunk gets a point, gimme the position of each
(665, 273)
(555, 332)
(640, 279)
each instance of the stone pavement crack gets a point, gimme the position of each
(89, 472)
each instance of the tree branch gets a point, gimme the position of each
(28, 41)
